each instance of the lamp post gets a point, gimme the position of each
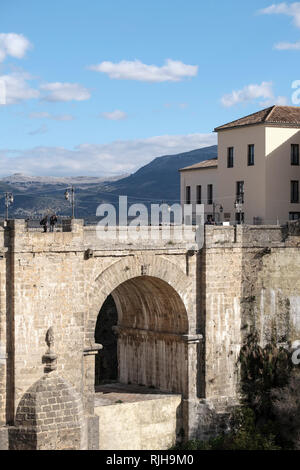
(238, 205)
(70, 196)
(9, 199)
(215, 205)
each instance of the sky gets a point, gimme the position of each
(101, 87)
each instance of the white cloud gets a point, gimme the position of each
(253, 92)
(14, 45)
(279, 100)
(16, 88)
(287, 46)
(116, 115)
(94, 159)
(289, 9)
(65, 92)
(172, 71)
(55, 117)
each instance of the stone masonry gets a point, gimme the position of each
(182, 319)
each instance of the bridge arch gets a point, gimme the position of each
(151, 295)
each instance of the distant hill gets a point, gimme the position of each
(157, 181)
(20, 180)
(160, 179)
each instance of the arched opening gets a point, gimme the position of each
(106, 363)
(142, 326)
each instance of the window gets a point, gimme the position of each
(199, 195)
(188, 195)
(230, 157)
(209, 194)
(294, 191)
(294, 215)
(294, 154)
(240, 191)
(251, 155)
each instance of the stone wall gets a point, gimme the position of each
(148, 425)
(250, 282)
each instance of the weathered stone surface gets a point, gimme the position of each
(3, 438)
(147, 425)
(49, 416)
(93, 432)
(244, 278)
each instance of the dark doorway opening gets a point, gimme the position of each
(106, 363)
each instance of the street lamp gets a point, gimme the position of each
(70, 196)
(238, 205)
(9, 199)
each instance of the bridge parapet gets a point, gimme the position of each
(74, 236)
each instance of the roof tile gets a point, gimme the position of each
(212, 163)
(288, 115)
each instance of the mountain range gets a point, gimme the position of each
(155, 182)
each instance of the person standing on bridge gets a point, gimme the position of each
(44, 223)
(53, 221)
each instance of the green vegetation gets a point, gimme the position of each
(262, 371)
(269, 415)
(245, 436)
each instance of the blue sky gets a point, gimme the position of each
(102, 87)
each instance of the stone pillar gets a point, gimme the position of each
(3, 306)
(3, 359)
(192, 354)
(14, 235)
(92, 421)
(3, 428)
(190, 402)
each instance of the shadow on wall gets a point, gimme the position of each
(106, 361)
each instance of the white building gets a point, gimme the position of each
(198, 185)
(257, 166)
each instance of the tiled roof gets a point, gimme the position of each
(212, 163)
(286, 115)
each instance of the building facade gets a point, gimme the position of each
(199, 186)
(257, 174)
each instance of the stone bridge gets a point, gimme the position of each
(179, 319)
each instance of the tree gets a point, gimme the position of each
(263, 369)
